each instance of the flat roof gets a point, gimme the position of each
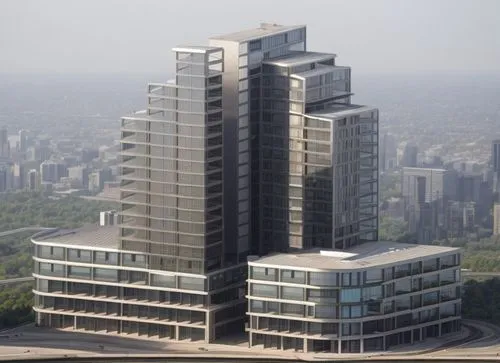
(323, 69)
(255, 33)
(411, 168)
(91, 235)
(369, 254)
(340, 110)
(195, 49)
(299, 58)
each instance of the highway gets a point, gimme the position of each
(480, 341)
(16, 280)
(24, 229)
(480, 274)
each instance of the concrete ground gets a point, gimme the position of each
(30, 342)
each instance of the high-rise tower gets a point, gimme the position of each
(254, 148)
(171, 192)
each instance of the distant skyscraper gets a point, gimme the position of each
(495, 166)
(409, 156)
(469, 187)
(496, 219)
(4, 143)
(426, 193)
(388, 152)
(52, 171)
(80, 173)
(23, 141)
(19, 176)
(6, 176)
(495, 155)
(33, 182)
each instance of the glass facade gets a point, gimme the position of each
(362, 305)
(176, 216)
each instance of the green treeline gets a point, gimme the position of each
(481, 300)
(19, 210)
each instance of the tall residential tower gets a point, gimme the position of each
(253, 149)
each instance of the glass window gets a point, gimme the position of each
(265, 290)
(162, 280)
(372, 293)
(298, 277)
(256, 306)
(107, 258)
(191, 283)
(292, 309)
(346, 279)
(326, 311)
(79, 272)
(79, 255)
(292, 293)
(243, 110)
(105, 274)
(323, 278)
(243, 133)
(350, 295)
(243, 61)
(243, 85)
(263, 273)
(373, 275)
(243, 48)
(243, 73)
(134, 260)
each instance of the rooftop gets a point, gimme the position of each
(299, 58)
(195, 49)
(323, 69)
(370, 254)
(420, 169)
(339, 111)
(255, 33)
(91, 236)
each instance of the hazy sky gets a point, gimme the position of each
(75, 36)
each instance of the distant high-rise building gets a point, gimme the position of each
(38, 153)
(80, 173)
(87, 155)
(469, 187)
(23, 141)
(460, 218)
(426, 193)
(6, 176)
(409, 156)
(388, 152)
(4, 143)
(33, 182)
(495, 155)
(97, 179)
(496, 219)
(495, 166)
(51, 171)
(19, 176)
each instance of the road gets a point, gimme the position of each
(480, 341)
(16, 280)
(480, 274)
(24, 229)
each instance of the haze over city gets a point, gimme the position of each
(260, 180)
(128, 36)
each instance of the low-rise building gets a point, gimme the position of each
(84, 281)
(370, 298)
